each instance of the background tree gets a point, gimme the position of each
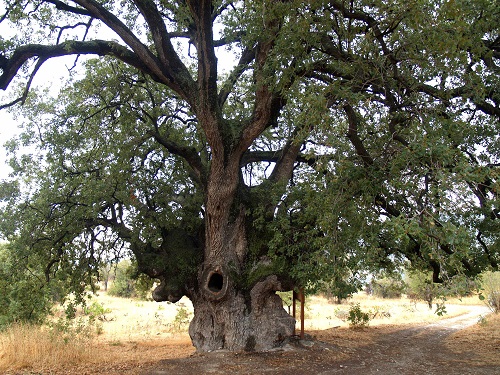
(358, 132)
(420, 287)
(127, 282)
(24, 294)
(387, 286)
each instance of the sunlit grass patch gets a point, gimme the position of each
(33, 347)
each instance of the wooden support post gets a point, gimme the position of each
(302, 314)
(299, 296)
(294, 298)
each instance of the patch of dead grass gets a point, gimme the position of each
(35, 348)
(138, 334)
(321, 314)
(482, 339)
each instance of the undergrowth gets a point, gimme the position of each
(62, 341)
(25, 346)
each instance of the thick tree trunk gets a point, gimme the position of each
(234, 320)
(229, 313)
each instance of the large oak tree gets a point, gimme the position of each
(347, 135)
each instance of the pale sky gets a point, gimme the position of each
(51, 74)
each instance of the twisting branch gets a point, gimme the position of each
(23, 97)
(246, 58)
(353, 135)
(11, 65)
(68, 8)
(180, 79)
(187, 153)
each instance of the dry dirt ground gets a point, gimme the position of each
(453, 345)
(421, 349)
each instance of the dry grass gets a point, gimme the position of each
(138, 333)
(482, 338)
(134, 332)
(321, 314)
(27, 347)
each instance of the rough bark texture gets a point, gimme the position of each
(228, 315)
(236, 321)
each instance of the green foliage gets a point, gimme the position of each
(287, 298)
(96, 311)
(356, 317)
(96, 314)
(388, 287)
(122, 284)
(24, 295)
(365, 139)
(440, 308)
(421, 287)
(84, 326)
(181, 319)
(482, 321)
(143, 285)
(339, 289)
(127, 283)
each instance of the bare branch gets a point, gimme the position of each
(10, 66)
(23, 97)
(169, 58)
(68, 8)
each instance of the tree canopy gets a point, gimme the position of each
(345, 137)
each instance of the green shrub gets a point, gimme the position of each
(96, 311)
(357, 318)
(338, 289)
(182, 318)
(123, 284)
(24, 295)
(421, 287)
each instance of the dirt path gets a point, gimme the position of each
(418, 350)
(413, 350)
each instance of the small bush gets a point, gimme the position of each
(379, 311)
(482, 321)
(493, 301)
(182, 319)
(97, 311)
(357, 318)
(491, 289)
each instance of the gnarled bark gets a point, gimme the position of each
(232, 319)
